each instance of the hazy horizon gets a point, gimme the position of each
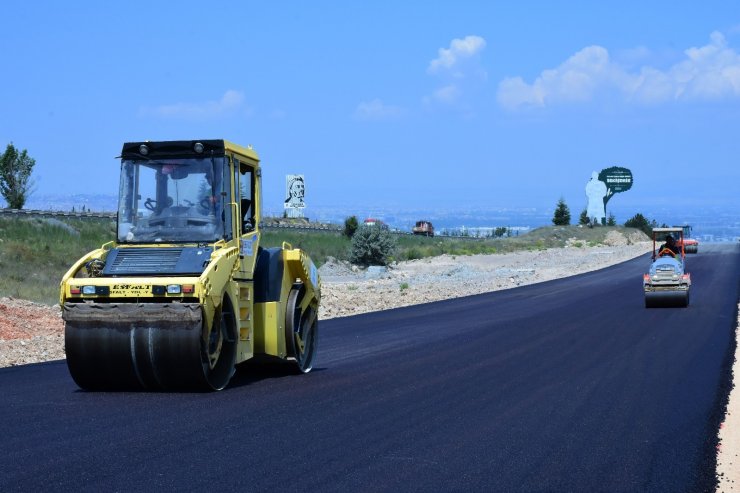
(713, 220)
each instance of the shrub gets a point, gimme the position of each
(413, 254)
(372, 246)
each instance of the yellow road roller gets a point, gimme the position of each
(186, 292)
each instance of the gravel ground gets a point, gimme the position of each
(29, 332)
(347, 290)
(32, 332)
(728, 450)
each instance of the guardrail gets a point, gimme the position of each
(299, 227)
(112, 215)
(80, 215)
(303, 227)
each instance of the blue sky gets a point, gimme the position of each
(414, 104)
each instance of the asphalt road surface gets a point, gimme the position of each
(570, 385)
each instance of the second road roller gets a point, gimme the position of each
(667, 282)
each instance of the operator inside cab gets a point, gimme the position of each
(669, 247)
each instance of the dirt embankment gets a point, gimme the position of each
(29, 332)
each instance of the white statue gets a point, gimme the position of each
(595, 193)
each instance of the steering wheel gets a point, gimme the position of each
(666, 253)
(150, 204)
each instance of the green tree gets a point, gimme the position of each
(562, 214)
(583, 218)
(372, 245)
(612, 221)
(15, 176)
(350, 226)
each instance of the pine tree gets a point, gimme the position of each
(350, 226)
(562, 214)
(638, 221)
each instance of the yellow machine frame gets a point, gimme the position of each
(260, 320)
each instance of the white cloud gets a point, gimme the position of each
(575, 80)
(450, 59)
(377, 110)
(459, 71)
(229, 103)
(710, 72)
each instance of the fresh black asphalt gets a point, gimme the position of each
(569, 385)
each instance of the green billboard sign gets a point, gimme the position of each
(617, 180)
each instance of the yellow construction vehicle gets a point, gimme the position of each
(186, 292)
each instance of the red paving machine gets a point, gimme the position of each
(691, 245)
